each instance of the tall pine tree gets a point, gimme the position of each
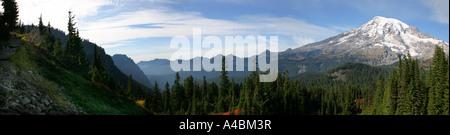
(166, 99)
(4, 33)
(176, 96)
(57, 51)
(76, 59)
(224, 88)
(156, 101)
(129, 90)
(10, 14)
(41, 26)
(8, 19)
(97, 70)
(438, 74)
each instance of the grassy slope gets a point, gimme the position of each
(58, 82)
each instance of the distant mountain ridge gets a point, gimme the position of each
(127, 66)
(156, 67)
(159, 70)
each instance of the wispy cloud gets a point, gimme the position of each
(56, 11)
(114, 45)
(302, 40)
(168, 23)
(343, 28)
(440, 10)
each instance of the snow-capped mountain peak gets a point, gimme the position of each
(379, 25)
(380, 39)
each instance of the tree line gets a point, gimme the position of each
(411, 90)
(407, 90)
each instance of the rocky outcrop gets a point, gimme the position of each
(25, 92)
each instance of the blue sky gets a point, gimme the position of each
(142, 29)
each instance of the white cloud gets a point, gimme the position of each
(440, 10)
(285, 26)
(117, 28)
(300, 40)
(114, 45)
(343, 28)
(171, 23)
(56, 11)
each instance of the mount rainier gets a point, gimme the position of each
(378, 42)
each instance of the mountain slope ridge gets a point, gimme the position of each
(31, 83)
(127, 66)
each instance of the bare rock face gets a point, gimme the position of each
(379, 41)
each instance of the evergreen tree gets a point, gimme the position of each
(247, 99)
(231, 94)
(10, 14)
(204, 96)
(21, 27)
(224, 88)
(139, 93)
(166, 99)
(286, 89)
(156, 99)
(446, 91)
(188, 90)
(211, 97)
(303, 100)
(195, 101)
(257, 100)
(129, 90)
(377, 100)
(8, 19)
(438, 74)
(241, 101)
(418, 89)
(41, 26)
(4, 33)
(94, 71)
(219, 105)
(49, 29)
(76, 59)
(176, 94)
(402, 106)
(57, 51)
(390, 96)
(97, 70)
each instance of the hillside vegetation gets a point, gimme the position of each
(39, 85)
(41, 74)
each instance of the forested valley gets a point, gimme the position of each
(407, 90)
